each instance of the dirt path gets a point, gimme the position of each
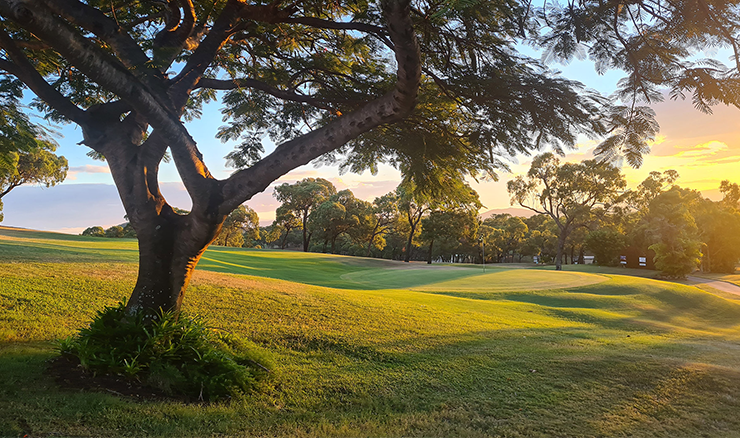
(716, 284)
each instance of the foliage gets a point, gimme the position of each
(677, 248)
(719, 230)
(448, 229)
(241, 228)
(115, 231)
(383, 218)
(656, 42)
(300, 199)
(341, 213)
(652, 186)
(37, 166)
(567, 192)
(505, 235)
(174, 353)
(286, 221)
(606, 245)
(96, 231)
(730, 194)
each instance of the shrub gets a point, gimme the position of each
(94, 231)
(115, 231)
(175, 353)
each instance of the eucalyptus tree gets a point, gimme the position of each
(673, 229)
(382, 216)
(567, 192)
(341, 213)
(241, 228)
(447, 228)
(286, 221)
(511, 232)
(327, 80)
(301, 199)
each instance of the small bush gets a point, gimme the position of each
(175, 353)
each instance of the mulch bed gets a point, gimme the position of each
(70, 376)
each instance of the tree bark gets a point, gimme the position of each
(407, 256)
(561, 252)
(169, 250)
(305, 237)
(285, 239)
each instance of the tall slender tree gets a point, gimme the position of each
(567, 192)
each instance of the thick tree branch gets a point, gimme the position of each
(203, 56)
(172, 39)
(92, 20)
(389, 108)
(22, 68)
(188, 21)
(151, 103)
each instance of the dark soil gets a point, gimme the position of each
(70, 376)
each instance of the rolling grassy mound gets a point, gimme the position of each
(377, 348)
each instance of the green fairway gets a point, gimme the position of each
(369, 347)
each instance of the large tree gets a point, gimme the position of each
(318, 77)
(301, 199)
(383, 215)
(341, 213)
(567, 192)
(241, 228)
(673, 228)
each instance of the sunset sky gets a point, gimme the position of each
(704, 149)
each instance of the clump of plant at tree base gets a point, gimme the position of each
(175, 353)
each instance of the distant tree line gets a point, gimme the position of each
(590, 210)
(579, 209)
(240, 229)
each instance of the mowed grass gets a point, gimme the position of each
(377, 348)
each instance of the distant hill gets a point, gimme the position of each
(514, 211)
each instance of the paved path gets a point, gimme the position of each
(724, 286)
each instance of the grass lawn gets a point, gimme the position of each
(377, 348)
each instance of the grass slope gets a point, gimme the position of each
(376, 348)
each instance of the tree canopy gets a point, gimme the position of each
(567, 192)
(37, 166)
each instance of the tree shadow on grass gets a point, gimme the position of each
(573, 382)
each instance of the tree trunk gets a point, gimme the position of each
(305, 238)
(407, 257)
(169, 249)
(285, 239)
(560, 253)
(429, 255)
(372, 238)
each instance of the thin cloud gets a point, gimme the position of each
(87, 168)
